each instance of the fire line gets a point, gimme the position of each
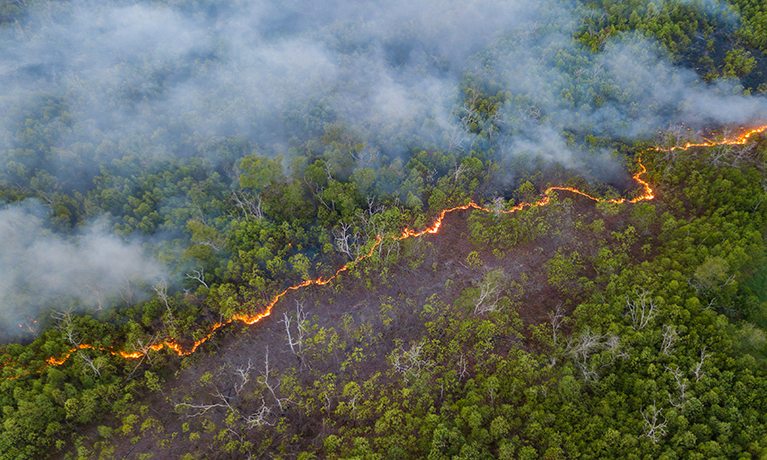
(407, 233)
(738, 140)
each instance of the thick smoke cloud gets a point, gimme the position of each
(156, 80)
(629, 90)
(42, 270)
(83, 83)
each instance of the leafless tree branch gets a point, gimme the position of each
(641, 310)
(198, 275)
(654, 427)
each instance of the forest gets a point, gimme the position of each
(383, 230)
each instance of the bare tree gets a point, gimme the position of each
(230, 400)
(31, 325)
(261, 416)
(206, 235)
(369, 220)
(98, 295)
(264, 380)
(127, 292)
(243, 377)
(161, 289)
(591, 351)
(249, 204)
(670, 337)
(711, 276)
(557, 319)
(698, 370)
(144, 349)
(197, 410)
(641, 310)
(411, 363)
(459, 170)
(198, 275)
(497, 206)
(462, 364)
(66, 326)
(296, 340)
(94, 364)
(731, 155)
(681, 385)
(457, 137)
(654, 427)
(467, 113)
(347, 240)
(490, 289)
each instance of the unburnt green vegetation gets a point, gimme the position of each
(578, 329)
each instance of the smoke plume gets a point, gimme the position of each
(85, 83)
(42, 270)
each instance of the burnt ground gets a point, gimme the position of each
(431, 265)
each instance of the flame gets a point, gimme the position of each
(407, 233)
(647, 194)
(53, 361)
(738, 140)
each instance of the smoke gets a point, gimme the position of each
(158, 80)
(42, 270)
(560, 92)
(155, 80)
(85, 83)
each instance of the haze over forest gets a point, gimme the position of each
(156, 80)
(170, 167)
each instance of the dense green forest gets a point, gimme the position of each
(169, 169)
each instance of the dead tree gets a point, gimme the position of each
(641, 310)
(411, 363)
(462, 365)
(670, 337)
(161, 289)
(698, 370)
(457, 137)
(459, 170)
(497, 206)
(557, 319)
(347, 239)
(94, 364)
(654, 427)
(32, 326)
(296, 340)
(221, 401)
(98, 295)
(261, 416)
(681, 385)
(250, 205)
(264, 380)
(591, 351)
(231, 400)
(66, 326)
(198, 275)
(490, 289)
(144, 349)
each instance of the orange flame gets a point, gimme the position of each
(407, 233)
(738, 140)
(53, 361)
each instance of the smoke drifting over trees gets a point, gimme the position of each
(442, 225)
(87, 88)
(44, 270)
(156, 80)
